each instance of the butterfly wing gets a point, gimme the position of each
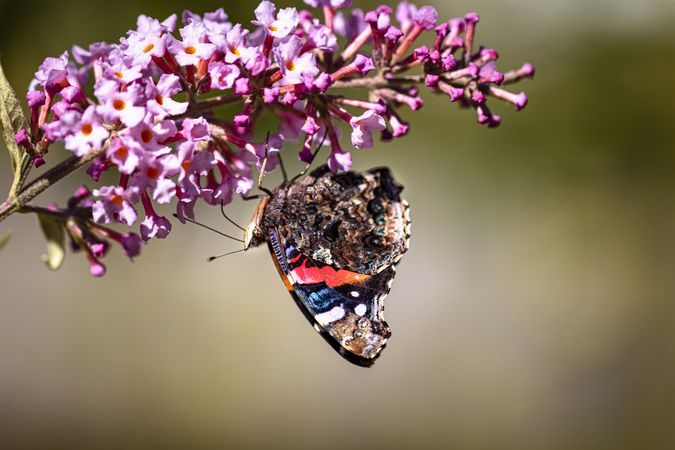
(335, 238)
(345, 307)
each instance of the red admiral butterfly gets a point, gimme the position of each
(335, 239)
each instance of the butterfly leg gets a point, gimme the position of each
(263, 167)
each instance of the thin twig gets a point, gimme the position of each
(35, 187)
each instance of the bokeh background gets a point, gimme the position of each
(536, 309)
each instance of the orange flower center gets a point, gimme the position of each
(117, 200)
(290, 65)
(148, 48)
(159, 99)
(190, 50)
(119, 74)
(272, 28)
(122, 152)
(185, 165)
(86, 129)
(235, 50)
(119, 105)
(146, 136)
(152, 172)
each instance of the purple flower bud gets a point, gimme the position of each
(426, 17)
(435, 56)
(421, 53)
(496, 78)
(399, 127)
(384, 9)
(96, 269)
(38, 161)
(363, 64)
(323, 82)
(472, 70)
(99, 249)
(310, 126)
(393, 34)
(21, 138)
(243, 86)
(289, 99)
(449, 63)
(520, 101)
(442, 30)
(483, 115)
(371, 16)
(478, 97)
(431, 80)
(242, 120)
(270, 95)
(489, 54)
(472, 18)
(96, 169)
(36, 98)
(131, 244)
(457, 25)
(81, 193)
(526, 71)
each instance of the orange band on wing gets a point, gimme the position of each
(326, 274)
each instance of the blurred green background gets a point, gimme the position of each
(535, 310)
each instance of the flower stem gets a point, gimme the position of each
(52, 176)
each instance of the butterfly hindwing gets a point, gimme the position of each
(345, 307)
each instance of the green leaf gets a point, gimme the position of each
(56, 240)
(12, 120)
(4, 240)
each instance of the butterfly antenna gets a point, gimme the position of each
(211, 229)
(264, 166)
(316, 152)
(222, 211)
(213, 258)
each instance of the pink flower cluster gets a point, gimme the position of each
(146, 105)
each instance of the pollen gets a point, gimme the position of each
(119, 104)
(146, 136)
(185, 165)
(148, 48)
(235, 50)
(290, 65)
(272, 28)
(159, 99)
(152, 172)
(86, 129)
(117, 200)
(119, 75)
(190, 50)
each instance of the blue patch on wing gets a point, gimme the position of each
(319, 298)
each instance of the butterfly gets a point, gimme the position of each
(335, 239)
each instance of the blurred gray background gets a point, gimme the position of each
(535, 310)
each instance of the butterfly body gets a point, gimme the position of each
(335, 239)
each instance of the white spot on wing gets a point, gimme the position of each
(331, 316)
(354, 294)
(360, 310)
